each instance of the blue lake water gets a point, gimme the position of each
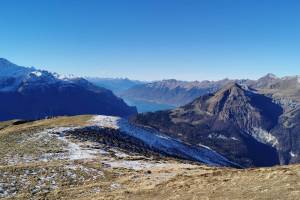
(144, 106)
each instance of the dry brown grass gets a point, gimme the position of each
(212, 183)
(79, 120)
(20, 140)
(176, 180)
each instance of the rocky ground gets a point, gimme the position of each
(41, 160)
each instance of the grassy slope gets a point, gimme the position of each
(91, 179)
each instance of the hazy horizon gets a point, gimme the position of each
(141, 80)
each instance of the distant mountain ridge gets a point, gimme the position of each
(28, 93)
(173, 92)
(177, 93)
(285, 90)
(120, 85)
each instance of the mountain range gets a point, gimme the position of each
(28, 93)
(249, 122)
(172, 92)
(178, 93)
(206, 142)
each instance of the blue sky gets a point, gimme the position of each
(153, 39)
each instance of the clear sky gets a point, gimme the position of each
(153, 39)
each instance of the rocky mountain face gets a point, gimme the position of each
(167, 94)
(286, 90)
(241, 123)
(27, 93)
(244, 107)
(287, 134)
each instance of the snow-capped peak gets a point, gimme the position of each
(36, 73)
(8, 69)
(271, 76)
(64, 77)
(13, 77)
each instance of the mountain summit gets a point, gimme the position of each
(242, 106)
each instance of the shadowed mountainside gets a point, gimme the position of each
(233, 121)
(27, 93)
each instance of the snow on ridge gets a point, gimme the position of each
(12, 76)
(292, 154)
(36, 73)
(221, 137)
(75, 152)
(162, 142)
(64, 77)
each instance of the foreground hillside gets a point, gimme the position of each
(54, 159)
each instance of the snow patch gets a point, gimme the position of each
(64, 77)
(115, 186)
(162, 143)
(119, 154)
(75, 151)
(264, 136)
(36, 73)
(292, 154)
(201, 145)
(221, 137)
